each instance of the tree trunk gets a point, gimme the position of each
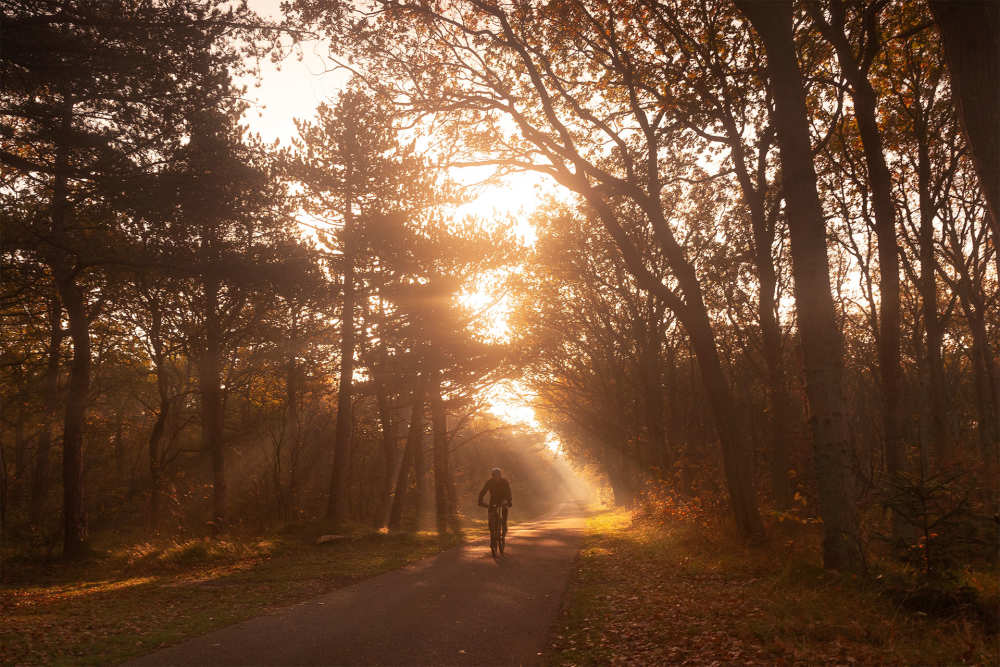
(737, 461)
(888, 259)
(934, 333)
(4, 499)
(420, 484)
(75, 544)
(414, 442)
(337, 508)
(982, 367)
(396, 485)
(50, 390)
(970, 34)
(444, 492)
(658, 450)
(621, 485)
(75, 539)
(158, 433)
(778, 399)
(880, 182)
(20, 446)
(821, 343)
(211, 402)
(391, 459)
(292, 433)
(155, 467)
(693, 315)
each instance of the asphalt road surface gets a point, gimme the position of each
(461, 607)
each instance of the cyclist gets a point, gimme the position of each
(499, 489)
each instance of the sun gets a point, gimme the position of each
(508, 200)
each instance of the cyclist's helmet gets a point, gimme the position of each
(495, 471)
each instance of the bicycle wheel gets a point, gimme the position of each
(502, 528)
(494, 532)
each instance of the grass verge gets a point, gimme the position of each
(135, 600)
(645, 594)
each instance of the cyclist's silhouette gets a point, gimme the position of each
(500, 497)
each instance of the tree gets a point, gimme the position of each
(821, 343)
(356, 173)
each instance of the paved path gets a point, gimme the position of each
(460, 607)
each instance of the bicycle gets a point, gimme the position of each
(498, 527)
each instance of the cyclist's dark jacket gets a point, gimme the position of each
(499, 491)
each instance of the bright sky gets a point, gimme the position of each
(291, 89)
(294, 88)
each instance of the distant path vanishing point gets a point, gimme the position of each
(460, 607)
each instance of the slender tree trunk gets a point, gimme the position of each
(75, 539)
(396, 485)
(982, 366)
(75, 544)
(672, 429)
(737, 461)
(414, 442)
(821, 343)
(337, 508)
(391, 459)
(155, 467)
(211, 401)
(4, 497)
(659, 454)
(890, 370)
(927, 283)
(158, 433)
(778, 399)
(444, 492)
(20, 446)
(50, 391)
(292, 434)
(621, 485)
(420, 484)
(119, 447)
(696, 435)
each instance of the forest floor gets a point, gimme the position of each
(680, 594)
(131, 600)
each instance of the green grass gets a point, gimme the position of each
(135, 599)
(653, 594)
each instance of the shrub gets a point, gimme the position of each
(945, 532)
